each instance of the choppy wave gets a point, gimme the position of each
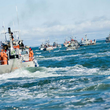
(59, 58)
(56, 87)
(42, 72)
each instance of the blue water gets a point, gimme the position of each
(65, 80)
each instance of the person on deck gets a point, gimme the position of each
(1, 57)
(31, 54)
(5, 58)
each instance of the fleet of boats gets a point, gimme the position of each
(72, 44)
(14, 54)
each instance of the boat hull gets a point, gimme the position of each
(48, 48)
(71, 48)
(41, 48)
(15, 64)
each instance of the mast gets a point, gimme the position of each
(11, 45)
(86, 37)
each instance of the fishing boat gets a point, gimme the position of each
(73, 44)
(56, 45)
(66, 43)
(108, 39)
(42, 47)
(18, 55)
(85, 42)
(47, 46)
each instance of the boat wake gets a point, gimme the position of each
(42, 72)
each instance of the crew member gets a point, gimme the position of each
(5, 58)
(1, 57)
(31, 54)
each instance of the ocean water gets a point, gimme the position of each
(65, 80)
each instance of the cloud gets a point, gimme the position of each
(51, 24)
(82, 27)
(99, 18)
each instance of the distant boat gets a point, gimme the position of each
(66, 43)
(47, 46)
(85, 42)
(108, 38)
(56, 45)
(73, 45)
(42, 47)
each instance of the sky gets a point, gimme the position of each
(55, 20)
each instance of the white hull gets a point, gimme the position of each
(87, 43)
(66, 45)
(48, 48)
(41, 48)
(14, 64)
(71, 48)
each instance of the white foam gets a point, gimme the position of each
(95, 55)
(60, 58)
(36, 50)
(25, 73)
(56, 50)
(42, 72)
(106, 72)
(17, 73)
(39, 56)
(38, 53)
(18, 94)
(78, 70)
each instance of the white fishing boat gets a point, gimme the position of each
(18, 55)
(48, 47)
(85, 42)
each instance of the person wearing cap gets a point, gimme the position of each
(31, 54)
